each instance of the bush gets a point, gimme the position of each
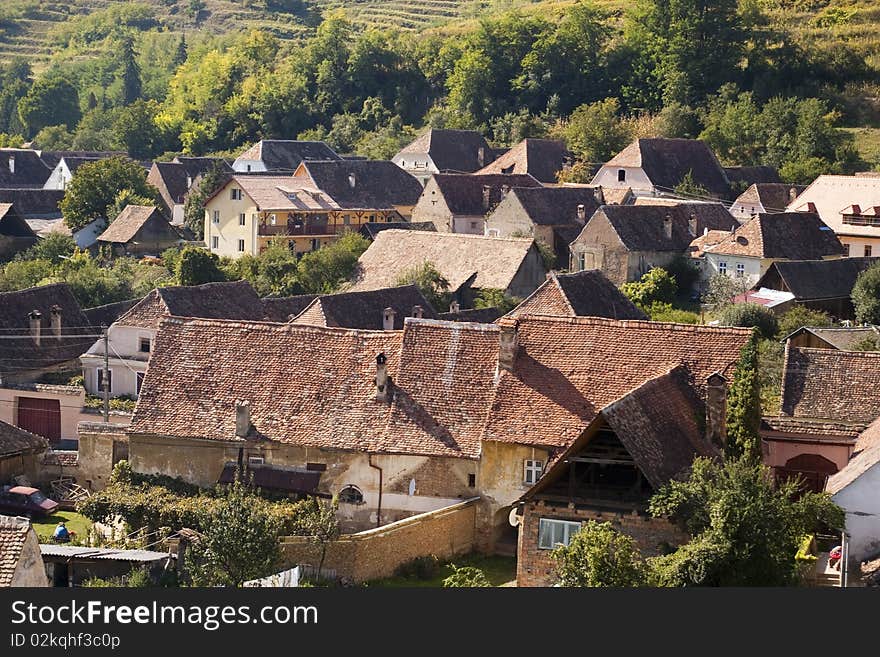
(800, 316)
(423, 568)
(466, 577)
(599, 555)
(750, 315)
(866, 296)
(656, 285)
(665, 312)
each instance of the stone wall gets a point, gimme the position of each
(95, 460)
(377, 553)
(534, 567)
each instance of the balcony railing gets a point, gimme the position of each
(293, 228)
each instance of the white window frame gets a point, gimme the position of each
(740, 270)
(216, 218)
(242, 219)
(722, 267)
(241, 246)
(548, 529)
(236, 194)
(532, 469)
(256, 460)
(215, 242)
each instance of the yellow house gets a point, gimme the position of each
(309, 209)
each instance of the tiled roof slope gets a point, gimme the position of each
(541, 158)
(641, 227)
(567, 369)
(21, 167)
(782, 235)
(128, 223)
(816, 279)
(287, 155)
(364, 310)
(831, 195)
(464, 193)
(772, 197)
(584, 293)
(551, 206)
(22, 355)
(452, 150)
(358, 184)
(283, 309)
(831, 385)
(15, 441)
(13, 534)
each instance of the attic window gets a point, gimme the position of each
(236, 194)
(621, 175)
(144, 346)
(532, 471)
(351, 495)
(868, 250)
(742, 240)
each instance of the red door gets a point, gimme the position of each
(40, 416)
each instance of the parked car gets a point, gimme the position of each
(25, 501)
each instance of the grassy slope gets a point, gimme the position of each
(500, 571)
(74, 522)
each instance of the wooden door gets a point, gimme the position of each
(40, 416)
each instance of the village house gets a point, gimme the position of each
(376, 310)
(824, 285)
(832, 337)
(747, 252)
(444, 151)
(479, 315)
(283, 309)
(21, 564)
(22, 168)
(542, 159)
(62, 172)
(468, 262)
(139, 230)
(175, 179)
(460, 203)
(552, 215)
(655, 167)
(281, 156)
(370, 230)
(764, 198)
(15, 233)
(132, 336)
(585, 293)
(828, 398)
(20, 453)
(39, 207)
(849, 205)
(626, 241)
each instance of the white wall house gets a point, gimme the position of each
(129, 349)
(744, 268)
(59, 177)
(855, 490)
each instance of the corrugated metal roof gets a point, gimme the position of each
(80, 552)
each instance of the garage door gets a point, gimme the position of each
(40, 416)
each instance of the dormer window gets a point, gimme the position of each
(621, 175)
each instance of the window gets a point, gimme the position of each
(473, 225)
(144, 345)
(846, 250)
(346, 219)
(139, 382)
(256, 460)
(216, 216)
(215, 242)
(555, 532)
(472, 480)
(351, 495)
(316, 244)
(621, 175)
(581, 261)
(249, 168)
(722, 267)
(740, 270)
(273, 219)
(532, 471)
(241, 219)
(236, 194)
(868, 250)
(101, 380)
(241, 246)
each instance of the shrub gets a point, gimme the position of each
(423, 568)
(750, 315)
(800, 316)
(599, 555)
(866, 296)
(466, 577)
(656, 285)
(665, 312)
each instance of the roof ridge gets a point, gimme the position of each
(458, 235)
(639, 323)
(448, 323)
(277, 327)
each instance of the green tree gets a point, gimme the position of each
(750, 315)
(180, 54)
(131, 72)
(55, 247)
(196, 266)
(866, 296)
(744, 405)
(689, 188)
(327, 269)
(722, 289)
(194, 207)
(594, 132)
(431, 284)
(50, 101)
(54, 138)
(136, 132)
(599, 556)
(745, 527)
(656, 285)
(466, 577)
(319, 521)
(94, 187)
(800, 316)
(495, 298)
(239, 542)
(125, 198)
(272, 273)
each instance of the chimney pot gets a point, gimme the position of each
(599, 195)
(418, 311)
(12, 164)
(487, 195)
(242, 419)
(383, 381)
(792, 194)
(189, 181)
(581, 212)
(481, 156)
(35, 317)
(56, 321)
(454, 307)
(692, 224)
(667, 226)
(388, 316)
(507, 346)
(352, 180)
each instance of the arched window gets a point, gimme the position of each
(351, 495)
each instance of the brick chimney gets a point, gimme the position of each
(667, 226)
(581, 213)
(418, 311)
(487, 193)
(12, 164)
(716, 410)
(388, 316)
(453, 306)
(599, 195)
(242, 419)
(56, 321)
(508, 345)
(692, 224)
(383, 381)
(504, 190)
(35, 317)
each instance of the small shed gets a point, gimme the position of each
(139, 230)
(71, 565)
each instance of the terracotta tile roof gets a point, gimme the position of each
(13, 534)
(569, 368)
(464, 193)
(831, 195)
(280, 192)
(816, 279)
(372, 228)
(21, 168)
(478, 315)
(641, 227)
(123, 229)
(840, 338)
(451, 150)
(495, 261)
(667, 161)
(819, 430)
(283, 309)
(358, 184)
(23, 355)
(541, 158)
(287, 155)
(709, 238)
(584, 293)
(234, 300)
(833, 385)
(769, 197)
(783, 235)
(14, 441)
(365, 310)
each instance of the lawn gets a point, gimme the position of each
(75, 522)
(501, 571)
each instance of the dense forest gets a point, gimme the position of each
(760, 90)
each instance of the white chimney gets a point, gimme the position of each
(487, 192)
(35, 317)
(189, 181)
(667, 226)
(12, 164)
(242, 419)
(352, 181)
(454, 307)
(388, 316)
(418, 311)
(56, 321)
(481, 156)
(581, 212)
(792, 194)
(692, 224)
(383, 381)
(599, 195)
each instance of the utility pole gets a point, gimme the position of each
(105, 383)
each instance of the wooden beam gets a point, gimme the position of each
(590, 459)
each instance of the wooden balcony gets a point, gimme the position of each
(293, 228)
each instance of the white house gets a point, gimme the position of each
(281, 155)
(64, 170)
